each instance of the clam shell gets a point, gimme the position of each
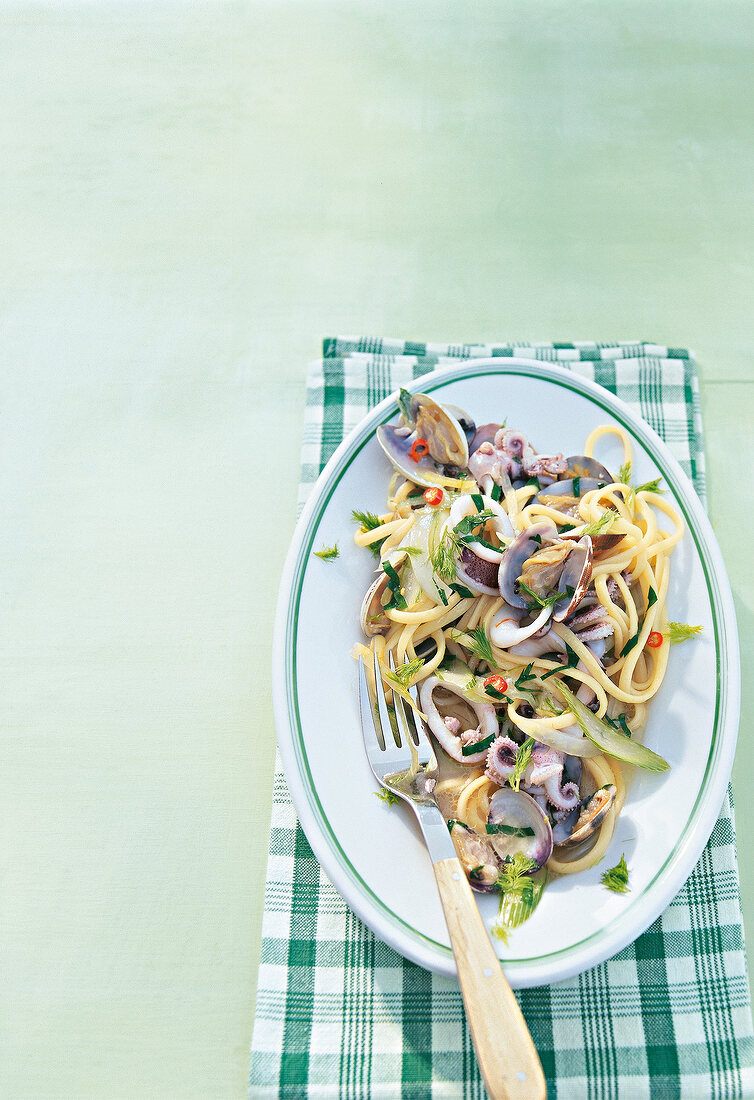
(445, 436)
(519, 811)
(520, 550)
(594, 811)
(576, 575)
(583, 466)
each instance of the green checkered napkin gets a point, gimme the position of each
(341, 1015)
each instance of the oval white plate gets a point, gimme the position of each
(373, 853)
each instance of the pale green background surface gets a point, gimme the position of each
(192, 195)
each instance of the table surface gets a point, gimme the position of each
(193, 194)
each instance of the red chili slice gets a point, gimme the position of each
(419, 448)
(497, 682)
(433, 496)
(655, 639)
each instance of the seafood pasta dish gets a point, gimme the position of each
(523, 595)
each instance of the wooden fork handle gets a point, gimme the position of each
(504, 1048)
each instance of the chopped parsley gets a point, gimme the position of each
(632, 641)
(544, 601)
(405, 673)
(520, 831)
(368, 521)
(571, 662)
(619, 723)
(478, 746)
(402, 678)
(616, 878)
(404, 404)
(327, 553)
(525, 676)
(394, 584)
(462, 591)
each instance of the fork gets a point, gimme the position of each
(505, 1052)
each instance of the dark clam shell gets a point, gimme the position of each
(582, 466)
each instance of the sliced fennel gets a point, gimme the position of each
(421, 538)
(609, 740)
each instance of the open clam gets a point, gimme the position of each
(477, 857)
(373, 618)
(517, 823)
(583, 466)
(436, 436)
(520, 550)
(594, 810)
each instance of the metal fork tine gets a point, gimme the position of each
(400, 710)
(382, 706)
(413, 727)
(366, 708)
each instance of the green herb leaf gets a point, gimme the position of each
(572, 661)
(327, 553)
(468, 525)
(651, 597)
(495, 694)
(444, 557)
(404, 404)
(367, 521)
(600, 524)
(510, 830)
(649, 487)
(478, 501)
(514, 872)
(577, 486)
(524, 676)
(478, 746)
(477, 642)
(496, 491)
(619, 723)
(624, 474)
(462, 591)
(394, 584)
(631, 642)
(523, 759)
(616, 878)
(388, 797)
(539, 601)
(454, 821)
(681, 632)
(405, 673)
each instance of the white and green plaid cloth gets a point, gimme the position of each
(341, 1015)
